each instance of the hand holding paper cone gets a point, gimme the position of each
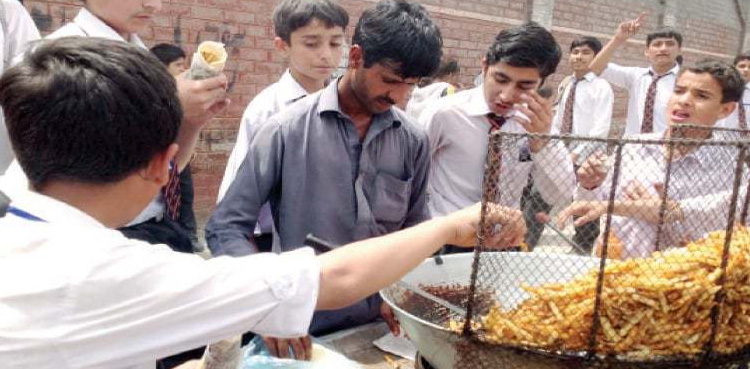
(208, 61)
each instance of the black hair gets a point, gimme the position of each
(447, 67)
(291, 15)
(401, 35)
(743, 56)
(730, 80)
(88, 110)
(665, 32)
(168, 53)
(592, 42)
(526, 46)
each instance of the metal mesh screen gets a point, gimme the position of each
(657, 279)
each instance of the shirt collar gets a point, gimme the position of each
(674, 70)
(289, 89)
(477, 105)
(95, 27)
(590, 76)
(329, 103)
(52, 210)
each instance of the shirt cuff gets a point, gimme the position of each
(296, 288)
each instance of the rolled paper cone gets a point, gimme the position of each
(208, 61)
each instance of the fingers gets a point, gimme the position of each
(539, 112)
(589, 216)
(300, 348)
(279, 347)
(270, 343)
(567, 213)
(390, 319)
(307, 344)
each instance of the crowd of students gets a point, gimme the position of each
(101, 130)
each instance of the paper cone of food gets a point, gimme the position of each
(208, 61)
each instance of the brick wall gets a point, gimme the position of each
(710, 27)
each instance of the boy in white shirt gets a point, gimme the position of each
(78, 294)
(310, 35)
(458, 126)
(648, 88)
(703, 94)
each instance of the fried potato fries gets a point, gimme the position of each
(658, 306)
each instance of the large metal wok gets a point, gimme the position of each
(426, 322)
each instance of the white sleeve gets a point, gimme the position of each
(21, 30)
(553, 173)
(144, 301)
(619, 75)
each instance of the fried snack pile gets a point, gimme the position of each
(659, 306)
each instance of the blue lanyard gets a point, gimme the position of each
(25, 215)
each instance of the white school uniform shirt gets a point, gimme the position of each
(637, 80)
(20, 32)
(592, 108)
(733, 120)
(86, 24)
(267, 103)
(458, 129)
(704, 171)
(78, 295)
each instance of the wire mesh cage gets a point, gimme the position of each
(654, 274)
(665, 283)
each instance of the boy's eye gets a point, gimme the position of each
(311, 44)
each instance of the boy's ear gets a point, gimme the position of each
(356, 57)
(281, 46)
(727, 108)
(157, 169)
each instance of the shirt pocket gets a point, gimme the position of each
(391, 198)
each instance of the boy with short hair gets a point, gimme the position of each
(201, 101)
(703, 94)
(84, 296)
(172, 56)
(343, 163)
(310, 34)
(648, 88)
(515, 65)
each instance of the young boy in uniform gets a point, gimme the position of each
(648, 88)
(703, 94)
(310, 35)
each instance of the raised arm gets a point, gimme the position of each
(624, 31)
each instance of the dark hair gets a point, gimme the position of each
(447, 67)
(664, 33)
(744, 56)
(168, 53)
(291, 15)
(730, 80)
(88, 110)
(592, 42)
(526, 46)
(399, 34)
